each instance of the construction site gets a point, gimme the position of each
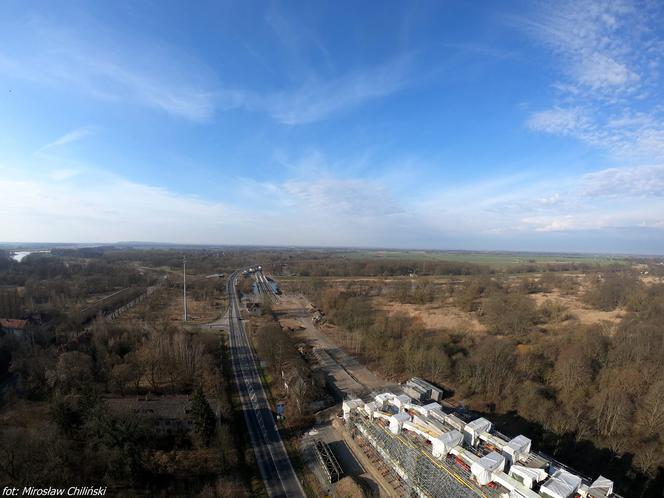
(409, 441)
(429, 450)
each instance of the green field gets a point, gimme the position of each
(495, 259)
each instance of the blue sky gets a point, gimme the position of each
(451, 125)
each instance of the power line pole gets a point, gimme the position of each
(184, 284)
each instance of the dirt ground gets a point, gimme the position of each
(579, 310)
(350, 377)
(171, 308)
(435, 316)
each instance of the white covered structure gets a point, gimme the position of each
(401, 401)
(484, 468)
(601, 488)
(472, 430)
(370, 408)
(397, 420)
(527, 476)
(563, 484)
(444, 443)
(517, 450)
(428, 409)
(350, 405)
(454, 421)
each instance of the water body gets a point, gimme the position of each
(19, 255)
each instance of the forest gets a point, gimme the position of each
(71, 388)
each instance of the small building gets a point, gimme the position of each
(13, 326)
(166, 414)
(254, 309)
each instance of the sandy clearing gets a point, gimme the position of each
(434, 316)
(585, 314)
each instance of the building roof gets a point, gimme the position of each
(12, 323)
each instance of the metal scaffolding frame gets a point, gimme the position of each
(328, 461)
(422, 474)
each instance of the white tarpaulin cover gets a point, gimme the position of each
(350, 405)
(528, 476)
(561, 485)
(474, 428)
(401, 400)
(486, 466)
(455, 422)
(568, 478)
(370, 408)
(397, 420)
(517, 449)
(444, 443)
(601, 485)
(431, 407)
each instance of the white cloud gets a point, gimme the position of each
(318, 100)
(599, 71)
(112, 68)
(63, 174)
(559, 121)
(641, 181)
(609, 55)
(70, 137)
(156, 75)
(99, 207)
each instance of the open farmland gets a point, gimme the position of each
(502, 260)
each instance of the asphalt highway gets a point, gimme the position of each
(271, 456)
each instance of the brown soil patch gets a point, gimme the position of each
(523, 348)
(348, 488)
(289, 323)
(582, 312)
(435, 316)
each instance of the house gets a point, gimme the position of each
(13, 326)
(166, 414)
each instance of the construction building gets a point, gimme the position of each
(422, 390)
(441, 455)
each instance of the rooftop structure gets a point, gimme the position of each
(437, 454)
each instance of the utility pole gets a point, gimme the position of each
(184, 284)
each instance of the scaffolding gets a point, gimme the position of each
(422, 474)
(328, 461)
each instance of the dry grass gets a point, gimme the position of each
(435, 316)
(582, 312)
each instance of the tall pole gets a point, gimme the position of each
(184, 285)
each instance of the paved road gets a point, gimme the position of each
(275, 466)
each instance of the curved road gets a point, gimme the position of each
(271, 456)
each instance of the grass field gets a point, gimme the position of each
(496, 259)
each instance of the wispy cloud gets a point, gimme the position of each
(570, 121)
(322, 99)
(70, 137)
(640, 181)
(141, 72)
(153, 74)
(609, 56)
(100, 207)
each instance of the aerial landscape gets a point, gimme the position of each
(332, 249)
